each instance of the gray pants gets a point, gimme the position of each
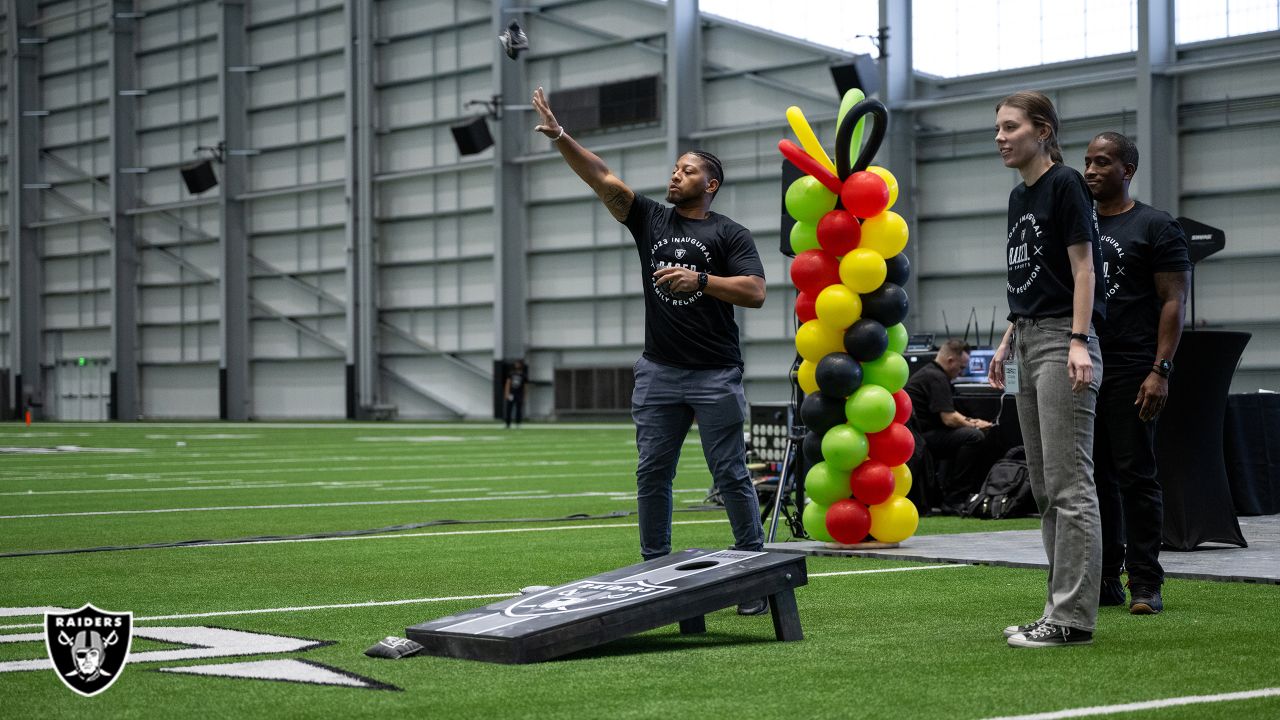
(1057, 429)
(665, 402)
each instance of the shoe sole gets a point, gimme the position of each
(1143, 609)
(1013, 630)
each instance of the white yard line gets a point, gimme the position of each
(619, 494)
(1147, 705)
(413, 601)
(889, 570)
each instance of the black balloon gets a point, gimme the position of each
(821, 412)
(866, 339)
(899, 269)
(812, 448)
(838, 375)
(886, 304)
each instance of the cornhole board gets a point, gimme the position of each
(680, 588)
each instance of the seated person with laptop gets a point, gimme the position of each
(948, 433)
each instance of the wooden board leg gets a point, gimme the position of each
(693, 625)
(786, 616)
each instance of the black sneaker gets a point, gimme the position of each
(1022, 629)
(1111, 592)
(755, 607)
(1145, 600)
(1049, 635)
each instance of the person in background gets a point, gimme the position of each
(948, 433)
(1050, 348)
(513, 392)
(1146, 270)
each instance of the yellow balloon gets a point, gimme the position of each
(838, 306)
(862, 270)
(805, 376)
(815, 341)
(889, 180)
(885, 233)
(809, 141)
(894, 520)
(901, 478)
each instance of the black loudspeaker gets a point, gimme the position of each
(199, 176)
(472, 137)
(862, 73)
(790, 174)
(1202, 240)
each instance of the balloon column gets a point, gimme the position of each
(849, 271)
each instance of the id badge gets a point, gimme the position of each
(1011, 375)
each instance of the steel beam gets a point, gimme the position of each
(234, 397)
(510, 261)
(684, 75)
(125, 389)
(897, 82)
(1157, 105)
(362, 309)
(26, 274)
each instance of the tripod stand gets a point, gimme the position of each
(783, 503)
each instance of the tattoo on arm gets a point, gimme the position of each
(617, 200)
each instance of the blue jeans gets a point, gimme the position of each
(1057, 429)
(665, 402)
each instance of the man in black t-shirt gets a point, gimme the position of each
(1145, 275)
(949, 434)
(695, 266)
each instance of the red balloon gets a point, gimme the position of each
(865, 194)
(891, 446)
(903, 402)
(806, 163)
(805, 310)
(813, 270)
(848, 521)
(839, 232)
(872, 482)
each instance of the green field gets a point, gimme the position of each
(920, 642)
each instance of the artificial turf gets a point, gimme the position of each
(922, 643)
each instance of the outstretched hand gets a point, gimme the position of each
(549, 126)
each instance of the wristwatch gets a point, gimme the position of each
(702, 281)
(1163, 367)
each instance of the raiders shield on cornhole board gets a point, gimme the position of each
(89, 647)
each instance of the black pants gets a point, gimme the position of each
(966, 448)
(1129, 495)
(514, 409)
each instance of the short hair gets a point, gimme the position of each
(1039, 109)
(712, 165)
(1125, 149)
(955, 347)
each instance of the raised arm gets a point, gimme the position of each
(614, 193)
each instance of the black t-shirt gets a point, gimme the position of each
(1044, 219)
(1136, 245)
(930, 392)
(690, 330)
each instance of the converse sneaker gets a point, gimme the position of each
(1111, 592)
(1022, 629)
(1049, 635)
(1145, 600)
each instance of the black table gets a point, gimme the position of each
(1251, 448)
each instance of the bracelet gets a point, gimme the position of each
(560, 135)
(1083, 337)
(1161, 371)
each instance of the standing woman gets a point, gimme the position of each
(1049, 356)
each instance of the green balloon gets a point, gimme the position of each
(804, 236)
(825, 484)
(808, 200)
(844, 447)
(897, 338)
(889, 371)
(870, 408)
(815, 522)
